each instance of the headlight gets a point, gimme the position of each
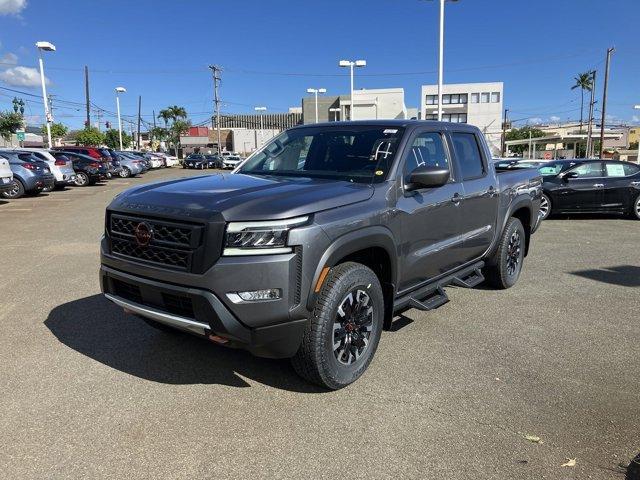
(259, 238)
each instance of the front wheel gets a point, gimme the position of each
(504, 267)
(545, 207)
(125, 172)
(343, 334)
(635, 208)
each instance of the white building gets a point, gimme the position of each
(479, 104)
(378, 103)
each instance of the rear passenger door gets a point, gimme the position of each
(479, 204)
(619, 189)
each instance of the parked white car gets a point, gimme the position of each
(230, 159)
(169, 160)
(62, 170)
(6, 175)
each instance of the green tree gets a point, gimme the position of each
(522, 134)
(112, 140)
(633, 146)
(90, 137)
(58, 130)
(10, 123)
(179, 127)
(584, 81)
(165, 115)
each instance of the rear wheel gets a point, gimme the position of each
(343, 334)
(16, 192)
(504, 267)
(545, 207)
(125, 172)
(82, 179)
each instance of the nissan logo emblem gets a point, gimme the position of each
(144, 234)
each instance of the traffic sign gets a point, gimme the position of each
(20, 136)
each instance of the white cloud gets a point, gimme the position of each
(534, 120)
(12, 7)
(554, 118)
(9, 59)
(22, 77)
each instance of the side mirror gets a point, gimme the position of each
(427, 177)
(569, 175)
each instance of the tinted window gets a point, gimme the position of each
(426, 150)
(588, 170)
(468, 155)
(620, 169)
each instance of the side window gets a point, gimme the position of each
(620, 169)
(468, 155)
(426, 149)
(588, 170)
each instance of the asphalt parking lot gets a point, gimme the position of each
(88, 391)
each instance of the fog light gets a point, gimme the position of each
(255, 295)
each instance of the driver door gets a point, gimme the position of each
(582, 188)
(429, 217)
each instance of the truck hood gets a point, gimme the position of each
(241, 197)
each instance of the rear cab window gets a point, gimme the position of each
(468, 154)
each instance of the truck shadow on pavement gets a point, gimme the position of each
(622, 275)
(95, 327)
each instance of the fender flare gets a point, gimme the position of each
(374, 236)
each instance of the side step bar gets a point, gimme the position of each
(432, 295)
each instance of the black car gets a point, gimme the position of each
(195, 160)
(590, 186)
(88, 170)
(214, 161)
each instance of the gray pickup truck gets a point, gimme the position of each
(310, 247)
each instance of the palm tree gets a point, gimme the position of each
(584, 81)
(177, 112)
(165, 115)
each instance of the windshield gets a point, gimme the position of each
(356, 153)
(194, 156)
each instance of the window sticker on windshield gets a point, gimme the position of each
(391, 130)
(614, 170)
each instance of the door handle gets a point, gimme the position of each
(456, 198)
(635, 184)
(598, 185)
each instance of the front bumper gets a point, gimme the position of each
(6, 187)
(199, 312)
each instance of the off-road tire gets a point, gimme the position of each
(315, 360)
(497, 272)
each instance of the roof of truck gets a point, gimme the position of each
(393, 123)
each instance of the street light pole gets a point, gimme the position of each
(46, 47)
(350, 64)
(261, 109)
(316, 91)
(637, 107)
(119, 90)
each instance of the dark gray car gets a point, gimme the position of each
(319, 238)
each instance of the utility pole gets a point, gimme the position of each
(604, 98)
(86, 93)
(504, 132)
(139, 111)
(215, 70)
(154, 127)
(588, 151)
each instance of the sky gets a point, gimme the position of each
(272, 51)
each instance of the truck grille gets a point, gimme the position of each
(171, 245)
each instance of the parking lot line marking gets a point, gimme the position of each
(21, 209)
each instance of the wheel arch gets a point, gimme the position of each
(373, 247)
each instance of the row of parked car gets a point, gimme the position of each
(34, 170)
(204, 160)
(584, 185)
